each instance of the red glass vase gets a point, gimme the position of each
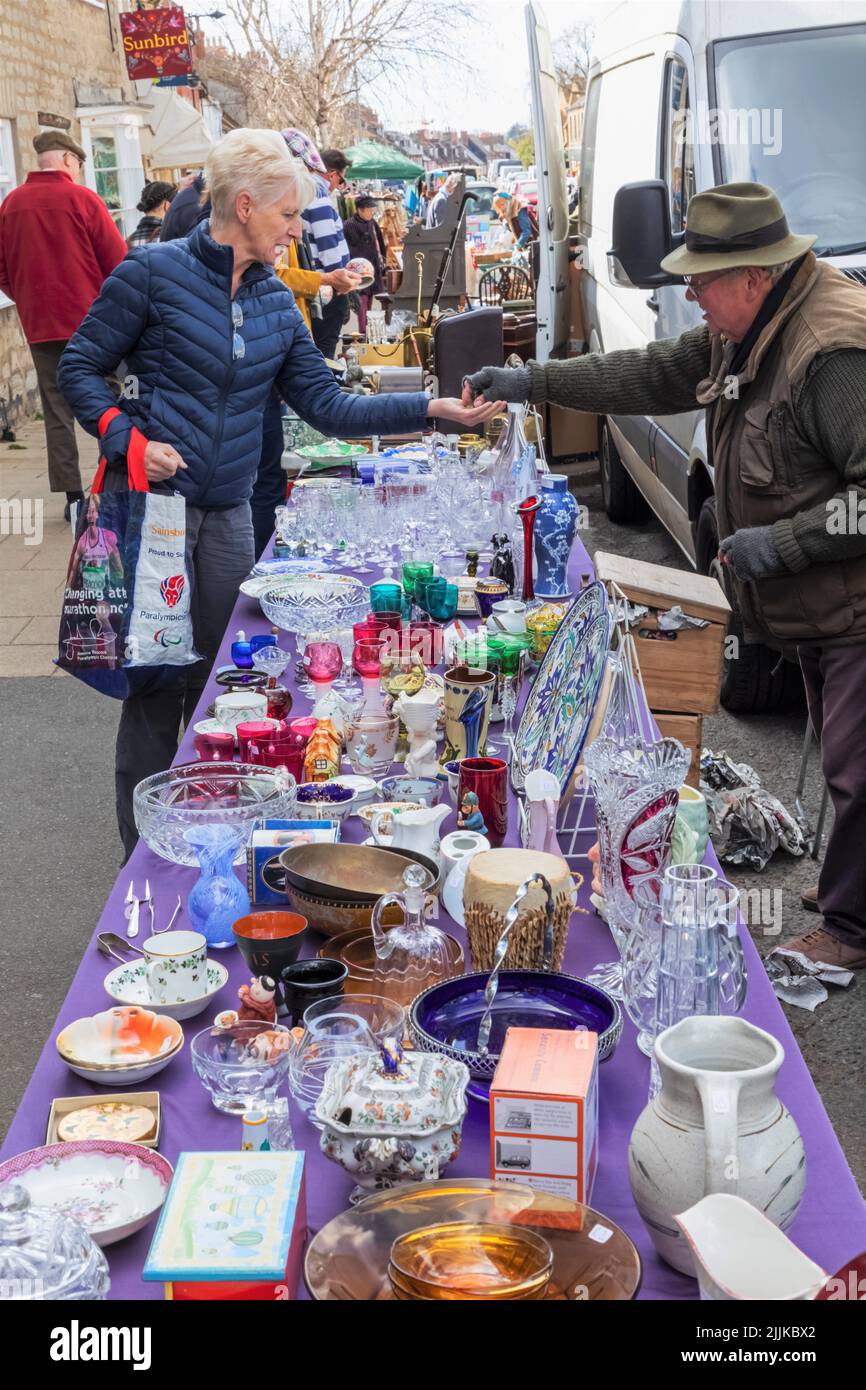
(527, 510)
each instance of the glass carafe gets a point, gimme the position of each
(413, 955)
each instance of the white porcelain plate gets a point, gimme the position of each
(127, 984)
(112, 1188)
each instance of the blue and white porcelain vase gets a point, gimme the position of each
(555, 530)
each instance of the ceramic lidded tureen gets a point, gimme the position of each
(388, 1118)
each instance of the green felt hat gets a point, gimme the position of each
(735, 224)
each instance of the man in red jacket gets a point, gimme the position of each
(57, 244)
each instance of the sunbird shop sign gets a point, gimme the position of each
(156, 43)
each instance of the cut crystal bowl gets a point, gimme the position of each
(190, 795)
(315, 603)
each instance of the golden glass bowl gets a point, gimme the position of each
(356, 951)
(470, 1260)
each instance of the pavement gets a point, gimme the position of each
(59, 850)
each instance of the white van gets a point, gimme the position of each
(683, 96)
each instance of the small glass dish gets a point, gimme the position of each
(337, 1028)
(473, 1261)
(243, 1066)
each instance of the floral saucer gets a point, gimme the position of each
(127, 984)
(112, 1188)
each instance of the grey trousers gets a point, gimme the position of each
(219, 555)
(64, 474)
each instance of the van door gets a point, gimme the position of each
(552, 290)
(672, 443)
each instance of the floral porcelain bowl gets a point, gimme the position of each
(390, 1118)
(120, 1045)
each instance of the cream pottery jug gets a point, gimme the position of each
(715, 1126)
(417, 830)
(739, 1254)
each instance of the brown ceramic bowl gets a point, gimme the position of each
(350, 873)
(270, 940)
(356, 951)
(333, 918)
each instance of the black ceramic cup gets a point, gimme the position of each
(307, 981)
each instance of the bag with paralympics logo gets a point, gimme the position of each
(126, 624)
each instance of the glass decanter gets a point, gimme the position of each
(218, 898)
(46, 1255)
(414, 954)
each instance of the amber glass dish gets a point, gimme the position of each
(470, 1261)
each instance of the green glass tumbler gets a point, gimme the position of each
(385, 597)
(414, 570)
(442, 603)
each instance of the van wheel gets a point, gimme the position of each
(755, 680)
(622, 500)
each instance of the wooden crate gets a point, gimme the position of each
(682, 671)
(689, 729)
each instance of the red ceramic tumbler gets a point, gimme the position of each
(384, 619)
(488, 779)
(303, 726)
(254, 731)
(215, 747)
(367, 658)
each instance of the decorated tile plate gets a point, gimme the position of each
(559, 707)
(127, 984)
(112, 1188)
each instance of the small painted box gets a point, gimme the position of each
(544, 1111)
(233, 1226)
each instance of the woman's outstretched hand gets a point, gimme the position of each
(464, 412)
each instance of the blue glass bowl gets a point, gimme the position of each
(445, 1018)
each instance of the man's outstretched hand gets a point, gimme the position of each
(498, 384)
(464, 412)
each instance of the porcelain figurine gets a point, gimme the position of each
(387, 1126)
(420, 715)
(555, 530)
(717, 1125)
(469, 816)
(502, 564)
(226, 1018)
(258, 1000)
(740, 1255)
(322, 754)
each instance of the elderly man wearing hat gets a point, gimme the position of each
(365, 240)
(57, 244)
(780, 365)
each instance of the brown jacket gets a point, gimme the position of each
(766, 470)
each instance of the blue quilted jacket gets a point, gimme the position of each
(166, 311)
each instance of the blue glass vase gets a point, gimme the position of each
(218, 898)
(555, 530)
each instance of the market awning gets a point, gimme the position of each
(174, 133)
(370, 160)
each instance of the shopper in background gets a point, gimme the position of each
(438, 209)
(393, 227)
(185, 211)
(364, 238)
(155, 201)
(324, 229)
(519, 216)
(58, 242)
(416, 201)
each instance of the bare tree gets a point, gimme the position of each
(571, 56)
(306, 61)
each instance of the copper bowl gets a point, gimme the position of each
(356, 951)
(335, 918)
(352, 873)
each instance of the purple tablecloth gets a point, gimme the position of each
(831, 1223)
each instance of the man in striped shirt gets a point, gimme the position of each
(328, 249)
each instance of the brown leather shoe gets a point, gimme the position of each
(819, 945)
(809, 898)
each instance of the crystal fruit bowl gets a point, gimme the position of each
(190, 795)
(315, 603)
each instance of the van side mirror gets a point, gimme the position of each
(641, 236)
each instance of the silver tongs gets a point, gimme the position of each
(511, 917)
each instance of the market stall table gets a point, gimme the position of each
(830, 1225)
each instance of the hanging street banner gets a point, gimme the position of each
(156, 43)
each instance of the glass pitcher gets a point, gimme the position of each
(413, 955)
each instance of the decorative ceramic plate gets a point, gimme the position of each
(112, 1188)
(127, 984)
(593, 1259)
(560, 704)
(111, 1119)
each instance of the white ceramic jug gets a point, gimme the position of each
(417, 830)
(715, 1126)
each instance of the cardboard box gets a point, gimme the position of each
(682, 670)
(66, 1105)
(270, 840)
(689, 729)
(544, 1111)
(232, 1226)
